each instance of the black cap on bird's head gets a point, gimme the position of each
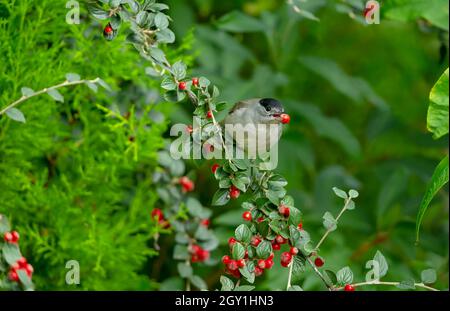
(272, 106)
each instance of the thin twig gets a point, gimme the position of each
(330, 287)
(45, 90)
(330, 229)
(389, 284)
(290, 275)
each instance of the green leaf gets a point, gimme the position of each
(158, 55)
(332, 276)
(168, 84)
(428, 276)
(11, 253)
(204, 82)
(198, 282)
(249, 276)
(437, 117)
(161, 21)
(329, 222)
(179, 70)
(243, 233)
(165, 36)
(180, 252)
(383, 265)
(26, 91)
(103, 84)
(25, 280)
(72, 77)
(244, 288)
(438, 180)
(407, 284)
(434, 11)
(294, 216)
(92, 86)
(340, 193)
(56, 95)
(97, 12)
(238, 251)
(264, 249)
(194, 206)
(353, 193)
(239, 22)
(221, 197)
(298, 265)
(15, 114)
(227, 284)
(262, 227)
(295, 288)
(4, 224)
(277, 181)
(344, 276)
(184, 270)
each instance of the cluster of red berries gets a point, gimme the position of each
(159, 216)
(187, 185)
(20, 264)
(182, 85)
(198, 254)
(11, 237)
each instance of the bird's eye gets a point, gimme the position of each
(268, 108)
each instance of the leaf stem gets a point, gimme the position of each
(45, 90)
(291, 265)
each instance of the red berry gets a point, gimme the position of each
(158, 214)
(234, 192)
(195, 81)
(286, 258)
(205, 222)
(349, 288)
(261, 263)
(247, 216)
(182, 85)
(284, 210)
(260, 219)
(293, 250)
(195, 249)
(226, 259)
(8, 237)
(203, 255)
(255, 241)
(271, 256)
(269, 263)
(246, 254)
(319, 262)
(231, 241)
(285, 118)
(189, 129)
(15, 237)
(300, 226)
(15, 267)
(108, 29)
(280, 240)
(13, 276)
(209, 114)
(214, 168)
(186, 184)
(258, 271)
(241, 263)
(22, 262)
(276, 246)
(232, 265)
(29, 269)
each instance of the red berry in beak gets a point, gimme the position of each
(285, 118)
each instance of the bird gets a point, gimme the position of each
(255, 125)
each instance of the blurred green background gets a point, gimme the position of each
(357, 95)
